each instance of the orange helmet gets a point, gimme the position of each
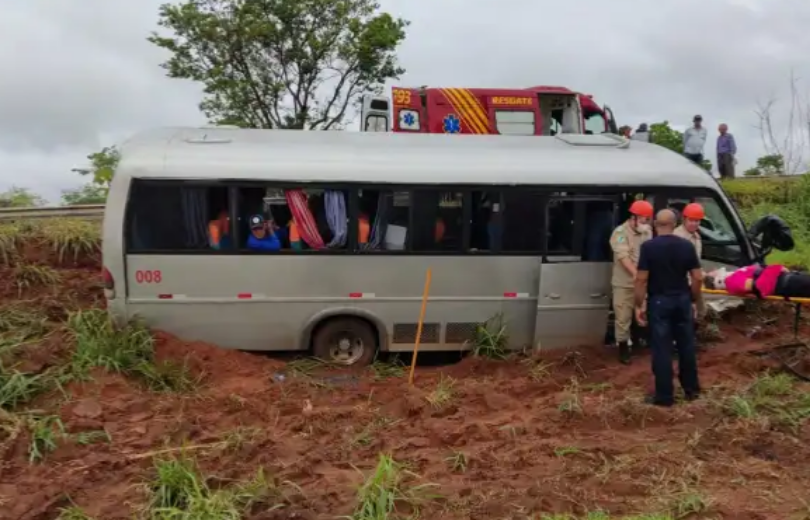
(641, 208)
(694, 211)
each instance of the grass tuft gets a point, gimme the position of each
(773, 397)
(387, 493)
(30, 276)
(18, 388)
(491, 339)
(72, 238)
(443, 393)
(11, 237)
(45, 434)
(129, 351)
(179, 491)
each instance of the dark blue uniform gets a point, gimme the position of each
(668, 259)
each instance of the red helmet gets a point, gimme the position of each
(694, 211)
(641, 208)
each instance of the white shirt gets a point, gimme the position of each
(694, 140)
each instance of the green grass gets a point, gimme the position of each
(788, 198)
(46, 432)
(389, 492)
(491, 339)
(67, 238)
(178, 490)
(128, 350)
(776, 398)
(17, 388)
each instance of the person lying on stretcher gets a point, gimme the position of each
(760, 281)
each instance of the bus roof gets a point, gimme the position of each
(383, 157)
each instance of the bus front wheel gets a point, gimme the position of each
(345, 341)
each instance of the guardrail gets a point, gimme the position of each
(86, 211)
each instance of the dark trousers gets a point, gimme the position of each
(725, 165)
(696, 158)
(671, 318)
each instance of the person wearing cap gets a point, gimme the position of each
(626, 242)
(694, 141)
(642, 133)
(262, 235)
(665, 299)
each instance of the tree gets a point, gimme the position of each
(17, 197)
(88, 194)
(102, 167)
(767, 165)
(790, 144)
(281, 63)
(664, 135)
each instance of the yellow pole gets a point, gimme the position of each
(419, 327)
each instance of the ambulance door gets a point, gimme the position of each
(374, 114)
(560, 113)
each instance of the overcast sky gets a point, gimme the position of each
(79, 74)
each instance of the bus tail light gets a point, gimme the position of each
(109, 283)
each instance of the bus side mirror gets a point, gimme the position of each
(771, 232)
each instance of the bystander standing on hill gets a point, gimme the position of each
(694, 141)
(726, 152)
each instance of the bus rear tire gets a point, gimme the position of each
(345, 341)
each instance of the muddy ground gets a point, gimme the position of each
(508, 439)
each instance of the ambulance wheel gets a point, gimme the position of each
(345, 341)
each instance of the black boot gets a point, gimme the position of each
(638, 337)
(624, 353)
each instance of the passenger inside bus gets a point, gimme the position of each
(262, 235)
(306, 219)
(219, 231)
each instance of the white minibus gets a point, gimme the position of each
(515, 227)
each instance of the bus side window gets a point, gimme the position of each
(522, 217)
(165, 216)
(316, 221)
(580, 230)
(437, 221)
(485, 221)
(720, 241)
(382, 220)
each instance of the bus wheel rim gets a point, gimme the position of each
(346, 349)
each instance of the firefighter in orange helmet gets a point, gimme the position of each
(626, 243)
(693, 214)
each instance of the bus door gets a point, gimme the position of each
(613, 128)
(560, 113)
(575, 293)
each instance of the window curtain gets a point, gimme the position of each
(336, 217)
(384, 202)
(307, 227)
(195, 210)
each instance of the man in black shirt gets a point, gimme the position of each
(663, 265)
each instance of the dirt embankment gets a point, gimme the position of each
(557, 433)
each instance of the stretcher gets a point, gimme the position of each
(793, 355)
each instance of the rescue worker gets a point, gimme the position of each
(692, 215)
(626, 243)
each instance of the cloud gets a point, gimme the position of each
(80, 74)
